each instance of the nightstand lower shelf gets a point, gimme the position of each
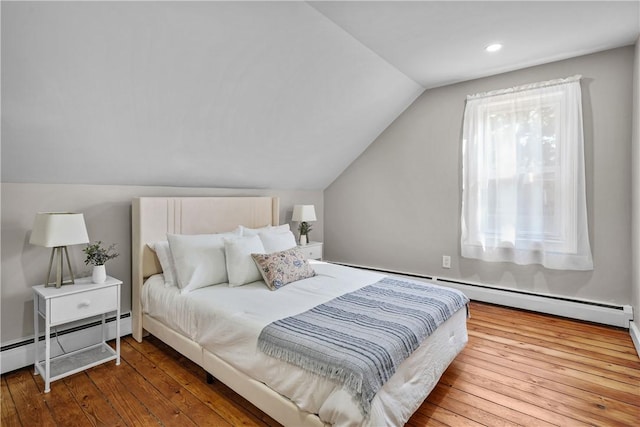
(76, 361)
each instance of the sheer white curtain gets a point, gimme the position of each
(523, 195)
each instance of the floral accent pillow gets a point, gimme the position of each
(281, 268)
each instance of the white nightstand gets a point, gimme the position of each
(67, 304)
(312, 250)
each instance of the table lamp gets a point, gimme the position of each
(303, 214)
(58, 230)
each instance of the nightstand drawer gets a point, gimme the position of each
(83, 304)
(311, 251)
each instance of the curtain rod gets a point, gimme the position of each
(529, 86)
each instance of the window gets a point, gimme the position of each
(523, 196)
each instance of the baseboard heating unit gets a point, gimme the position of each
(590, 311)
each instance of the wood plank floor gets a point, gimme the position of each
(519, 368)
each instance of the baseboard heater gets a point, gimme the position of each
(21, 353)
(590, 311)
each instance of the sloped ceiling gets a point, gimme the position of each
(251, 94)
(442, 42)
(216, 94)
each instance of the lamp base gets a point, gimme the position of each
(57, 285)
(59, 253)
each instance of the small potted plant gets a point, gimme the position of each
(98, 255)
(304, 228)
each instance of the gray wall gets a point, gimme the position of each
(107, 215)
(398, 205)
(635, 226)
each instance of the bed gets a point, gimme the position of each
(197, 324)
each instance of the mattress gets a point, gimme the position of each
(226, 321)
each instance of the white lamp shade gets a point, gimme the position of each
(303, 213)
(51, 229)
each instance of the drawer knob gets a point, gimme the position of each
(85, 303)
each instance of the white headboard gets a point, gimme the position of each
(153, 217)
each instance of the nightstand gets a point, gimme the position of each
(312, 250)
(70, 303)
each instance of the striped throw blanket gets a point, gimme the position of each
(360, 338)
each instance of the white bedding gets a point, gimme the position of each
(227, 321)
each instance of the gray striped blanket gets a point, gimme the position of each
(360, 338)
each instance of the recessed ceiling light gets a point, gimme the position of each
(493, 47)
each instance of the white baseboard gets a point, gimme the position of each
(591, 311)
(634, 331)
(22, 355)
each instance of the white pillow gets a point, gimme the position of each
(163, 252)
(199, 259)
(240, 266)
(244, 231)
(277, 242)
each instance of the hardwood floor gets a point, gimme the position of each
(519, 368)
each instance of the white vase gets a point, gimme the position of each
(303, 240)
(99, 274)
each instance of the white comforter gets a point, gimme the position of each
(227, 321)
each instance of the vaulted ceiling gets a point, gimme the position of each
(251, 94)
(437, 43)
